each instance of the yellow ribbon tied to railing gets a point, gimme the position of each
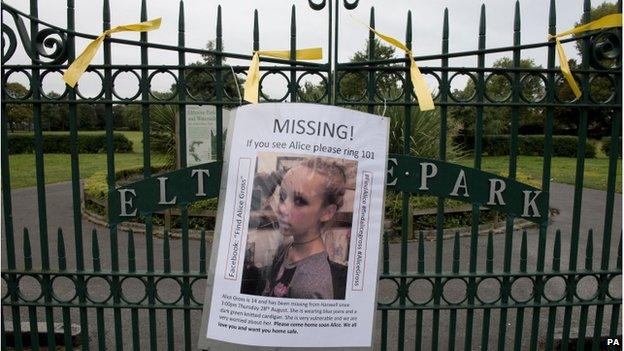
(609, 21)
(421, 90)
(80, 64)
(253, 75)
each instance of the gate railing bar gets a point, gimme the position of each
(578, 182)
(75, 180)
(219, 85)
(370, 92)
(341, 103)
(110, 163)
(62, 266)
(99, 311)
(552, 311)
(520, 311)
(186, 286)
(359, 67)
(292, 87)
(609, 206)
(615, 309)
(387, 307)
(389, 275)
(134, 313)
(407, 134)
(513, 150)
(9, 239)
(32, 310)
(41, 193)
(471, 288)
(444, 91)
(147, 169)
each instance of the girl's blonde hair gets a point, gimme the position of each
(336, 179)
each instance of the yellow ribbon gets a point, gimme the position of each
(253, 75)
(81, 63)
(425, 100)
(609, 21)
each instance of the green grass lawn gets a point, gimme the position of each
(563, 170)
(57, 167)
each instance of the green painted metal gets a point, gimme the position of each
(486, 324)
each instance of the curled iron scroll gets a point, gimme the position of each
(44, 39)
(349, 5)
(606, 50)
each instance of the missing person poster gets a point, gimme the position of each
(296, 247)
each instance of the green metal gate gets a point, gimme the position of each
(126, 291)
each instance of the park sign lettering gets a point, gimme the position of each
(421, 176)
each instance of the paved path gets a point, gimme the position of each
(59, 215)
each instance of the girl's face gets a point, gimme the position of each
(300, 211)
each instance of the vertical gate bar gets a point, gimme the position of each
(39, 166)
(582, 327)
(99, 311)
(578, 182)
(202, 252)
(134, 312)
(406, 228)
(485, 331)
(219, 86)
(110, 163)
(453, 312)
(513, 160)
(12, 283)
(3, 346)
(62, 266)
(186, 286)
(147, 165)
(334, 58)
(520, 311)
(370, 86)
(169, 311)
(147, 171)
(293, 54)
(615, 309)
(75, 181)
(384, 313)
(32, 310)
(474, 233)
(543, 229)
(552, 311)
(421, 270)
(437, 286)
(609, 209)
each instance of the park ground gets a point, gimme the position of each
(530, 168)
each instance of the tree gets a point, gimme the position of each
(200, 78)
(497, 120)
(566, 120)
(19, 116)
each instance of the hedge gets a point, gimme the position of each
(606, 147)
(60, 143)
(528, 145)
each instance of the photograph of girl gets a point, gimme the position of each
(300, 225)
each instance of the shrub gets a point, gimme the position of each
(529, 145)
(60, 143)
(606, 147)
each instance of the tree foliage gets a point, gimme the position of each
(498, 88)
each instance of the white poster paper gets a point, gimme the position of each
(296, 249)
(201, 133)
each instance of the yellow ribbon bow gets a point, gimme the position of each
(425, 100)
(253, 75)
(81, 63)
(609, 21)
